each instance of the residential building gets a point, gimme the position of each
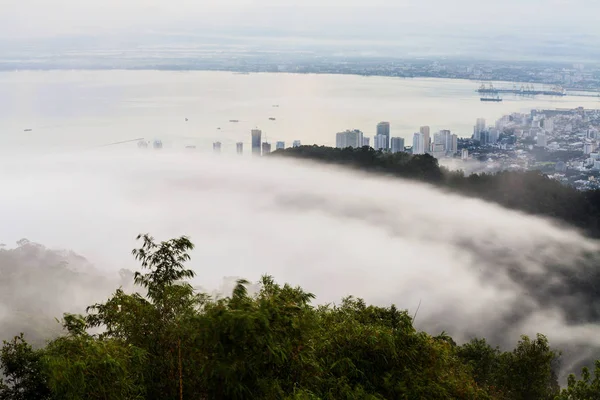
(256, 141)
(478, 128)
(366, 141)
(464, 154)
(418, 144)
(454, 147)
(425, 131)
(397, 144)
(266, 148)
(279, 145)
(383, 128)
(541, 140)
(493, 135)
(217, 147)
(380, 142)
(588, 148)
(349, 138)
(239, 147)
(438, 151)
(296, 143)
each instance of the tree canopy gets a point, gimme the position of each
(528, 191)
(170, 342)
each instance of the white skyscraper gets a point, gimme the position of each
(296, 143)
(348, 138)
(478, 128)
(464, 155)
(397, 144)
(380, 142)
(454, 148)
(493, 135)
(280, 145)
(425, 131)
(418, 144)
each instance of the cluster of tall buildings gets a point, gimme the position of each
(258, 146)
(485, 135)
(444, 142)
(382, 141)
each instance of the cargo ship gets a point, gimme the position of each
(496, 99)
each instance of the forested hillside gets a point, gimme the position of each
(531, 192)
(171, 342)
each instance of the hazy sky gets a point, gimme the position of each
(43, 18)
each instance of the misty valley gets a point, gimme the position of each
(313, 273)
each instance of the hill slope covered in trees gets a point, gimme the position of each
(173, 343)
(531, 192)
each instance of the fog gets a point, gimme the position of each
(474, 267)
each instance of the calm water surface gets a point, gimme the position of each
(78, 109)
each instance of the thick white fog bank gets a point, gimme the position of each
(476, 268)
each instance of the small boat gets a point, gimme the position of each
(142, 144)
(271, 119)
(219, 129)
(28, 130)
(186, 120)
(234, 120)
(158, 144)
(275, 105)
(190, 147)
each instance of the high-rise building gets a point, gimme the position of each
(549, 124)
(217, 147)
(380, 142)
(256, 141)
(397, 144)
(266, 148)
(438, 150)
(349, 138)
(418, 144)
(464, 155)
(494, 135)
(383, 128)
(296, 143)
(280, 145)
(541, 140)
(426, 137)
(239, 147)
(454, 148)
(366, 141)
(588, 148)
(478, 128)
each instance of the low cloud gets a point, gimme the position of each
(475, 268)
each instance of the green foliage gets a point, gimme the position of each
(527, 372)
(531, 191)
(586, 388)
(22, 367)
(172, 343)
(82, 367)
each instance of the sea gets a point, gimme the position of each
(77, 109)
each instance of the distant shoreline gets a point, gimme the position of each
(240, 72)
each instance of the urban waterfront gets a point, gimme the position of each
(80, 109)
